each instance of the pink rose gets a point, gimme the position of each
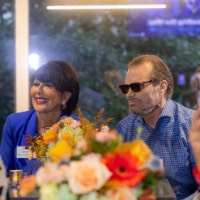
(75, 124)
(87, 175)
(51, 173)
(104, 137)
(104, 129)
(80, 147)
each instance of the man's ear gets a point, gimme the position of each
(163, 86)
(66, 96)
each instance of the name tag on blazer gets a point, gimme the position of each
(22, 152)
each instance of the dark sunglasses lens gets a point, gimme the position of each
(124, 88)
(135, 87)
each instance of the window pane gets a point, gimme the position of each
(7, 60)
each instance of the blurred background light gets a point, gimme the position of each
(34, 61)
(87, 7)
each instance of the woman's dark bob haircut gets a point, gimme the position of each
(63, 77)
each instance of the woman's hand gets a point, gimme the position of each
(32, 166)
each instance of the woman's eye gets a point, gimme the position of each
(48, 84)
(36, 84)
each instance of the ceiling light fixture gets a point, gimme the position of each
(109, 7)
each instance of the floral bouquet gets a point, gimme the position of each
(60, 139)
(88, 163)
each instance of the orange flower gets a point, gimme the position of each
(60, 151)
(138, 148)
(50, 136)
(27, 185)
(69, 138)
(55, 127)
(68, 120)
(124, 168)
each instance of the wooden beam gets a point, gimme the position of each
(21, 53)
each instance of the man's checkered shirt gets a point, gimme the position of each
(168, 140)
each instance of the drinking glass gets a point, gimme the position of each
(15, 177)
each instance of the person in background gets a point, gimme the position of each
(196, 86)
(190, 99)
(194, 138)
(165, 124)
(54, 93)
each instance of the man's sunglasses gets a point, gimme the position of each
(135, 87)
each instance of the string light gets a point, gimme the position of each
(109, 7)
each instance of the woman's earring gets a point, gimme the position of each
(64, 106)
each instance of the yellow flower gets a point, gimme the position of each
(141, 149)
(39, 142)
(50, 136)
(60, 151)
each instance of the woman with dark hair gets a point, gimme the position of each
(54, 93)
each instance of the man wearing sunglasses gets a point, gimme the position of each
(165, 123)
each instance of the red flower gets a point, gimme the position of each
(196, 174)
(147, 198)
(147, 191)
(124, 168)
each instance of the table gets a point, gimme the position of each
(163, 192)
(13, 194)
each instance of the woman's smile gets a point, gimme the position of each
(41, 100)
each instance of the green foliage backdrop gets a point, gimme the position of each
(98, 46)
(7, 59)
